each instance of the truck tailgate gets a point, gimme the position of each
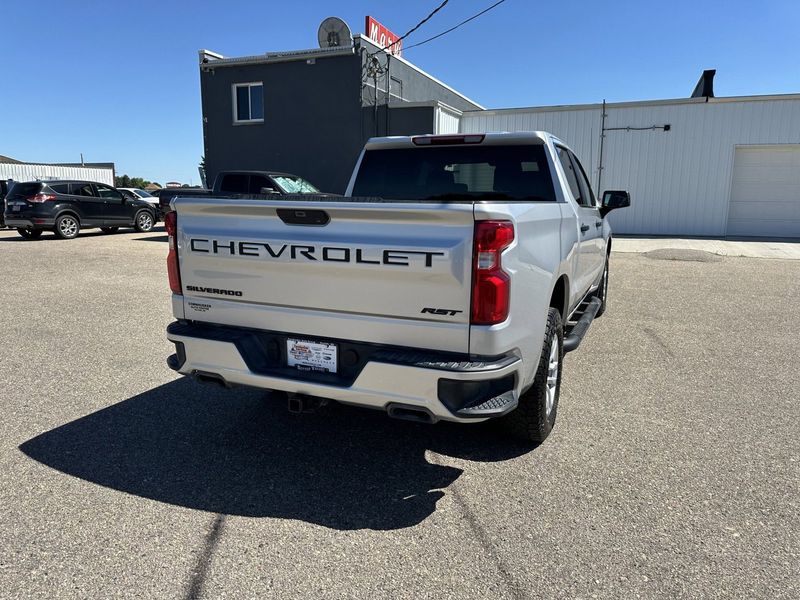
(387, 273)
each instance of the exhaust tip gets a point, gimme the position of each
(407, 412)
(212, 378)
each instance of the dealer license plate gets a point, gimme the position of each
(311, 356)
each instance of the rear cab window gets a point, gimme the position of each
(235, 183)
(463, 172)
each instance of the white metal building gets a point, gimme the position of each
(723, 167)
(29, 172)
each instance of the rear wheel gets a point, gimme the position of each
(535, 417)
(143, 221)
(109, 229)
(67, 227)
(29, 234)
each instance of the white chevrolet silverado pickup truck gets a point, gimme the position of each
(445, 285)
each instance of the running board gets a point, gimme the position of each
(575, 337)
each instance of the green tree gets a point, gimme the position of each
(123, 181)
(132, 182)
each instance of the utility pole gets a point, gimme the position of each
(602, 139)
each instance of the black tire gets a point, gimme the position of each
(109, 229)
(144, 221)
(29, 234)
(602, 291)
(532, 421)
(67, 227)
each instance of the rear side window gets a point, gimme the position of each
(235, 183)
(469, 172)
(23, 190)
(587, 197)
(569, 171)
(59, 188)
(83, 189)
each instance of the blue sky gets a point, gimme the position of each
(119, 81)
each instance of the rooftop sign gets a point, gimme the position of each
(383, 37)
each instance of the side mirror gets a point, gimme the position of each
(614, 199)
(268, 190)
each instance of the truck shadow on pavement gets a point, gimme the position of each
(238, 452)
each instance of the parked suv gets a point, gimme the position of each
(66, 207)
(3, 193)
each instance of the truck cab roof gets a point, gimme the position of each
(490, 138)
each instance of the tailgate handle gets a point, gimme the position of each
(294, 216)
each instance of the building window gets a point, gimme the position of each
(248, 102)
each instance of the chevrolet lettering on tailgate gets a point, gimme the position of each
(339, 254)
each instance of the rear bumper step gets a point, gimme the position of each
(493, 407)
(574, 338)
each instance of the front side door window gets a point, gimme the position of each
(115, 211)
(87, 202)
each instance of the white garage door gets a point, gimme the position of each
(765, 194)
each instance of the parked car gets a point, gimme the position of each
(137, 193)
(66, 207)
(446, 285)
(242, 184)
(3, 193)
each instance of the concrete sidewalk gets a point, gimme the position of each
(749, 249)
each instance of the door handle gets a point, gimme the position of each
(598, 224)
(584, 228)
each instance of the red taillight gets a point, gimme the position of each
(171, 225)
(491, 286)
(42, 198)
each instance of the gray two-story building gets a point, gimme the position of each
(309, 112)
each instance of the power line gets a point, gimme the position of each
(464, 22)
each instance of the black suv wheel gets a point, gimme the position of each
(29, 234)
(67, 227)
(144, 221)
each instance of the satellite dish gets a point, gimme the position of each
(334, 32)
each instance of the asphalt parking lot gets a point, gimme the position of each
(673, 471)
